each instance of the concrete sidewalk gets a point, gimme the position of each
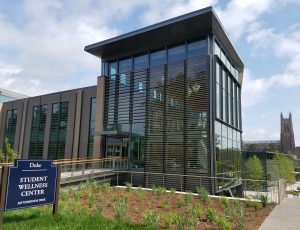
(284, 216)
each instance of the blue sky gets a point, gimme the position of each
(42, 42)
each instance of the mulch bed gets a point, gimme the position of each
(167, 204)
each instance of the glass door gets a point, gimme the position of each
(113, 150)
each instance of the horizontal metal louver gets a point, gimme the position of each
(177, 133)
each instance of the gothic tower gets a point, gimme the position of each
(287, 141)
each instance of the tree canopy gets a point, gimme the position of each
(9, 155)
(254, 169)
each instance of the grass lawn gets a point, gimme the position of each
(41, 218)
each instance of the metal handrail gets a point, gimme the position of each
(66, 162)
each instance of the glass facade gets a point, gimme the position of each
(228, 120)
(59, 120)
(37, 136)
(159, 103)
(92, 127)
(10, 126)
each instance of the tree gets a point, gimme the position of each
(254, 171)
(9, 155)
(283, 168)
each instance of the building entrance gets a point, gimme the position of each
(116, 147)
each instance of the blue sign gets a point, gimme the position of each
(30, 183)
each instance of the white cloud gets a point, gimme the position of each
(157, 9)
(238, 15)
(254, 90)
(48, 47)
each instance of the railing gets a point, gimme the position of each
(119, 171)
(274, 190)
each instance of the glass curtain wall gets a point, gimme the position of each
(227, 124)
(168, 109)
(10, 127)
(36, 145)
(58, 130)
(91, 128)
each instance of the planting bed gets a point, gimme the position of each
(162, 209)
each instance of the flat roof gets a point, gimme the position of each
(185, 27)
(7, 93)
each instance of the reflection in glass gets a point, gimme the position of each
(141, 62)
(197, 48)
(176, 53)
(158, 58)
(125, 65)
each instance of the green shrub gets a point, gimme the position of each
(223, 223)
(203, 194)
(179, 222)
(88, 184)
(240, 218)
(95, 186)
(168, 220)
(173, 191)
(77, 195)
(191, 219)
(249, 203)
(257, 206)
(188, 198)
(164, 203)
(140, 193)
(158, 191)
(105, 186)
(99, 209)
(181, 201)
(151, 218)
(298, 188)
(224, 203)
(264, 200)
(81, 186)
(128, 186)
(198, 211)
(211, 215)
(90, 199)
(63, 196)
(120, 209)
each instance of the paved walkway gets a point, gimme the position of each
(284, 216)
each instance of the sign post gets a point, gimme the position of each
(3, 192)
(55, 205)
(29, 183)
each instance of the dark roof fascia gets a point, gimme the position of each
(225, 41)
(89, 48)
(108, 49)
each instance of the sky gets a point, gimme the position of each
(42, 48)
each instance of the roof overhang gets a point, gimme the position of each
(190, 26)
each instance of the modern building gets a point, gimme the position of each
(53, 126)
(262, 146)
(6, 95)
(168, 99)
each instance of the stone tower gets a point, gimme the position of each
(287, 141)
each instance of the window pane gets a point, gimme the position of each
(141, 62)
(157, 58)
(217, 72)
(113, 68)
(176, 53)
(197, 48)
(125, 65)
(217, 49)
